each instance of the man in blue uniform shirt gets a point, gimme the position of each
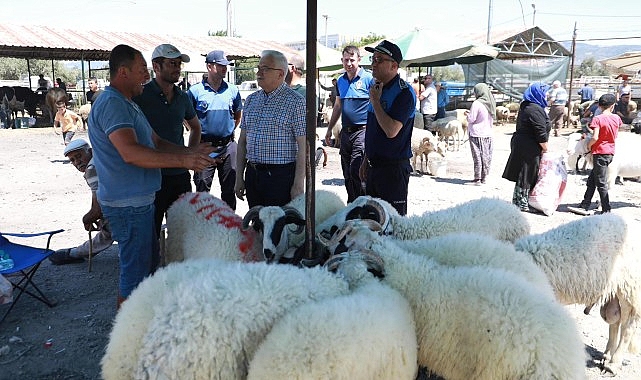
(390, 118)
(351, 105)
(219, 108)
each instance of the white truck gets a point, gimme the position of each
(247, 87)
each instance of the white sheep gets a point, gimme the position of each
(589, 261)
(453, 129)
(460, 114)
(513, 107)
(488, 216)
(281, 229)
(424, 143)
(502, 115)
(478, 322)
(625, 162)
(367, 334)
(201, 225)
(209, 324)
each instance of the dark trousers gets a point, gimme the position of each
(269, 185)
(428, 120)
(352, 150)
(598, 180)
(226, 178)
(390, 182)
(172, 187)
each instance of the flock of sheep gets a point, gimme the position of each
(466, 292)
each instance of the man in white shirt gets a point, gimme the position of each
(428, 102)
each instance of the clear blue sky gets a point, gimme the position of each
(285, 21)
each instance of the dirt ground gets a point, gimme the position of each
(40, 190)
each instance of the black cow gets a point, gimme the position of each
(31, 99)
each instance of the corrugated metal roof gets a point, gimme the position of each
(44, 42)
(522, 44)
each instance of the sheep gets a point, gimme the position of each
(280, 242)
(83, 112)
(201, 225)
(625, 162)
(478, 322)
(423, 143)
(367, 334)
(209, 324)
(461, 115)
(489, 216)
(453, 129)
(514, 110)
(502, 115)
(591, 261)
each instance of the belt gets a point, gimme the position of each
(259, 166)
(217, 141)
(384, 163)
(354, 128)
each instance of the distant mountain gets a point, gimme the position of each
(598, 52)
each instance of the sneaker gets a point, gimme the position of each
(63, 256)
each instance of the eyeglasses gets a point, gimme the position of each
(265, 68)
(379, 59)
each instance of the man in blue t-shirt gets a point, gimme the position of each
(587, 93)
(128, 156)
(219, 108)
(166, 108)
(351, 105)
(390, 119)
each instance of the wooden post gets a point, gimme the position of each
(310, 175)
(571, 75)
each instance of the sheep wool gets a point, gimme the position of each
(368, 334)
(210, 325)
(201, 225)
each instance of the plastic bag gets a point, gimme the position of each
(6, 291)
(549, 188)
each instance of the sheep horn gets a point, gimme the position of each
(293, 216)
(251, 216)
(382, 213)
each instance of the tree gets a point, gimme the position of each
(369, 39)
(218, 33)
(590, 67)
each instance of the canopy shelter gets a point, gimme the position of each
(327, 59)
(630, 61)
(425, 48)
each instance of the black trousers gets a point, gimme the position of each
(598, 180)
(390, 182)
(226, 178)
(172, 187)
(351, 151)
(269, 185)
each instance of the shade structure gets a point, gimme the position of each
(423, 48)
(327, 59)
(630, 61)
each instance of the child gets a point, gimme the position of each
(67, 120)
(605, 129)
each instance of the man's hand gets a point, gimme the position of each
(375, 92)
(328, 137)
(239, 187)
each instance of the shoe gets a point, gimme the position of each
(524, 209)
(63, 256)
(601, 212)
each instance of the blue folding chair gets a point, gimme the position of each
(26, 261)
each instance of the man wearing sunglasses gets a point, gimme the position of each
(390, 118)
(166, 107)
(219, 108)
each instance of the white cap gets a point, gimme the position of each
(168, 51)
(75, 145)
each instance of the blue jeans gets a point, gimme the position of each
(134, 230)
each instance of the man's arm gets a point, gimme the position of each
(241, 162)
(94, 214)
(126, 142)
(390, 126)
(298, 186)
(195, 130)
(336, 113)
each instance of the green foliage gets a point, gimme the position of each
(218, 33)
(443, 73)
(245, 69)
(590, 67)
(369, 39)
(16, 69)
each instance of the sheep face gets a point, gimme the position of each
(274, 223)
(363, 207)
(353, 235)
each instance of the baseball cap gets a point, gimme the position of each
(387, 48)
(75, 145)
(168, 51)
(606, 100)
(217, 56)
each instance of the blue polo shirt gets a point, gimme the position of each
(399, 102)
(166, 118)
(121, 184)
(216, 109)
(354, 97)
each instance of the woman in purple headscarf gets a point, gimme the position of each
(529, 141)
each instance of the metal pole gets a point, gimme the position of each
(487, 39)
(326, 17)
(310, 175)
(230, 16)
(571, 74)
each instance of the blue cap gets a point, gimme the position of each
(387, 48)
(217, 56)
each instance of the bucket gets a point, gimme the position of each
(438, 168)
(21, 122)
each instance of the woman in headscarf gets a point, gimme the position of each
(480, 119)
(529, 141)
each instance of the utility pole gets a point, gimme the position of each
(326, 17)
(571, 73)
(230, 18)
(533, 13)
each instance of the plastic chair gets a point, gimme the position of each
(26, 261)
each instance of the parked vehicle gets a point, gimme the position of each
(247, 87)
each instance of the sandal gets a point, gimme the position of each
(63, 256)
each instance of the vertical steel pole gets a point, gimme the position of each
(310, 175)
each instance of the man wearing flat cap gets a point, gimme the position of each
(390, 117)
(166, 108)
(219, 108)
